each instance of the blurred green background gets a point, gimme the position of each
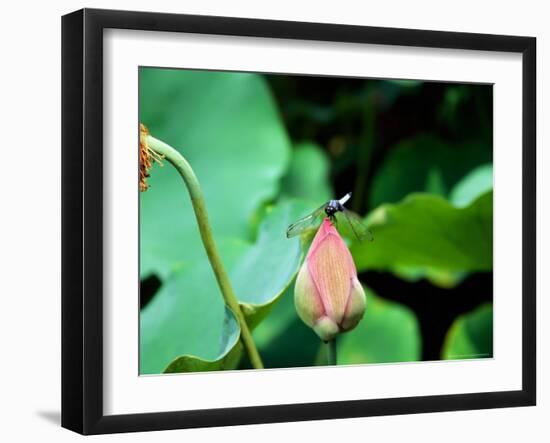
(269, 149)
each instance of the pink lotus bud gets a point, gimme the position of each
(328, 295)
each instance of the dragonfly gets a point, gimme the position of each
(330, 209)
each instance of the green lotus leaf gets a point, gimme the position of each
(227, 126)
(470, 335)
(227, 358)
(466, 191)
(425, 163)
(475, 183)
(307, 177)
(427, 231)
(389, 332)
(283, 339)
(186, 326)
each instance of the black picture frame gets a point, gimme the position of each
(82, 219)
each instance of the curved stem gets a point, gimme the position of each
(197, 199)
(331, 352)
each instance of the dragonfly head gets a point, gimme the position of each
(330, 210)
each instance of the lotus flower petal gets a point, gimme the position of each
(328, 295)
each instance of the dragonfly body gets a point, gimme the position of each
(334, 206)
(330, 210)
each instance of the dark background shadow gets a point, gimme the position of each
(53, 417)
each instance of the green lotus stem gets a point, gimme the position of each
(197, 199)
(331, 352)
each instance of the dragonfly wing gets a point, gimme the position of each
(308, 222)
(356, 225)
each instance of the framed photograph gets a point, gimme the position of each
(269, 221)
